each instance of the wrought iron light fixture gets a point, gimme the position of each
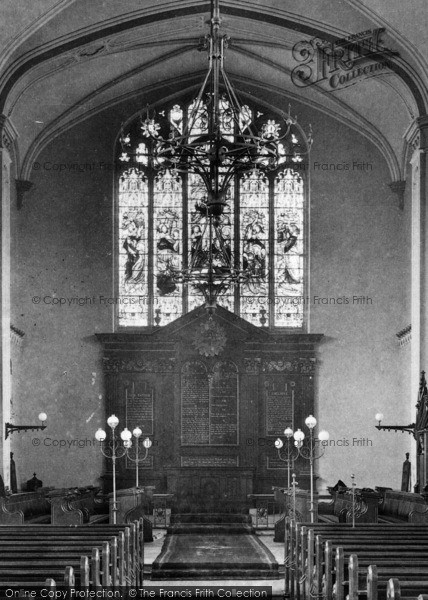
(11, 428)
(409, 428)
(114, 450)
(219, 139)
(288, 455)
(421, 413)
(308, 451)
(137, 458)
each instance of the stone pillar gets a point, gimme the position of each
(417, 138)
(5, 362)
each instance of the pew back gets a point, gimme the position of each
(107, 555)
(399, 506)
(322, 557)
(20, 508)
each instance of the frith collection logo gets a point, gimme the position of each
(341, 62)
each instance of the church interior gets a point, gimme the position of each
(214, 300)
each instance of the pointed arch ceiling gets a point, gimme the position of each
(65, 60)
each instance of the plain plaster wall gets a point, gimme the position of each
(359, 255)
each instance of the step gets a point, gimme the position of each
(222, 528)
(211, 518)
(213, 574)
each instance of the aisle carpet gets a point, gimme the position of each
(200, 551)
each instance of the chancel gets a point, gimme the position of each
(213, 261)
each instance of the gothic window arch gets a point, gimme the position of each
(264, 231)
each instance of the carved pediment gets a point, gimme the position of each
(210, 336)
(187, 327)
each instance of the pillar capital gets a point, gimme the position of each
(8, 134)
(417, 134)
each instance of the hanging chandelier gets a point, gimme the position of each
(217, 140)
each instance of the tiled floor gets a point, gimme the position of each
(152, 550)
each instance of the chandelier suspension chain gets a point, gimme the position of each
(220, 139)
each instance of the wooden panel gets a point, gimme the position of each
(139, 407)
(279, 404)
(195, 405)
(214, 418)
(209, 404)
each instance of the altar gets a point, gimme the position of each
(213, 414)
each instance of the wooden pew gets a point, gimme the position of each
(115, 563)
(398, 557)
(49, 584)
(394, 591)
(24, 508)
(397, 507)
(302, 508)
(132, 505)
(82, 556)
(309, 550)
(76, 506)
(371, 581)
(340, 510)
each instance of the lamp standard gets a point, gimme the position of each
(288, 454)
(308, 451)
(114, 451)
(147, 443)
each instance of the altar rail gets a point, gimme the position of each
(265, 510)
(162, 510)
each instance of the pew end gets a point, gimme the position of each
(25, 508)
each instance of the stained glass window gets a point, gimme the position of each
(133, 248)
(254, 229)
(167, 228)
(288, 253)
(163, 227)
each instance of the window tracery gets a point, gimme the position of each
(162, 228)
